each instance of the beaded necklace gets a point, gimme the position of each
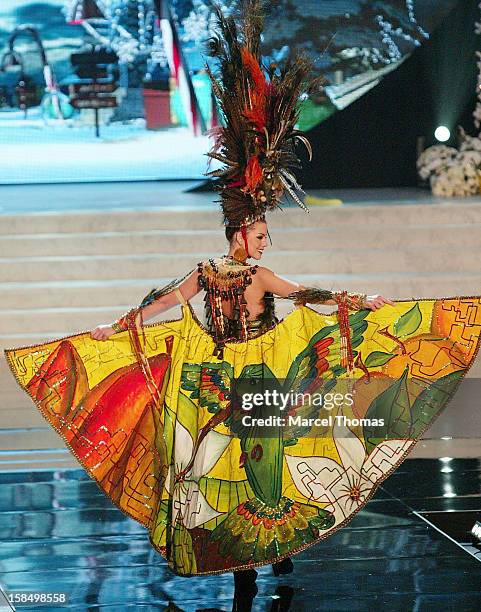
(225, 279)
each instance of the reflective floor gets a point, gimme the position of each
(59, 533)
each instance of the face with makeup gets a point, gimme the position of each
(256, 240)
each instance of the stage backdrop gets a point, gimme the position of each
(97, 90)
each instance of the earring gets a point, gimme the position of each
(240, 254)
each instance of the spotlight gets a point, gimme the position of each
(442, 133)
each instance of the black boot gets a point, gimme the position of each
(283, 567)
(245, 583)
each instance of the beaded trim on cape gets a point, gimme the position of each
(215, 496)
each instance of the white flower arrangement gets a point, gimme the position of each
(435, 160)
(452, 172)
(456, 172)
(469, 143)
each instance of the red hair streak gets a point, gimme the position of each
(244, 236)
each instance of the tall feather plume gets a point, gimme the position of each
(259, 106)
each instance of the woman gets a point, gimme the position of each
(263, 282)
(150, 415)
(260, 317)
(156, 413)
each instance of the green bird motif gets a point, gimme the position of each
(268, 524)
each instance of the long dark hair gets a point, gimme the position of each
(230, 230)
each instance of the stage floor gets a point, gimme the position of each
(175, 195)
(59, 533)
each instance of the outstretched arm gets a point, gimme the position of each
(281, 286)
(188, 288)
(284, 288)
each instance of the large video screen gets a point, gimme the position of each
(108, 90)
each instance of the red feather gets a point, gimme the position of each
(253, 173)
(256, 114)
(252, 65)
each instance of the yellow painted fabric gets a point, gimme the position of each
(217, 495)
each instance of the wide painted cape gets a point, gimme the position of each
(217, 495)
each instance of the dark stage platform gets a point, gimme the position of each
(59, 533)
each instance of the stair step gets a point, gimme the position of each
(30, 439)
(75, 293)
(25, 415)
(184, 240)
(87, 293)
(78, 320)
(34, 463)
(205, 215)
(46, 320)
(31, 452)
(26, 327)
(322, 261)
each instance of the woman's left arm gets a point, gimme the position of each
(374, 302)
(285, 288)
(279, 286)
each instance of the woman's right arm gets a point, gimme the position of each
(188, 288)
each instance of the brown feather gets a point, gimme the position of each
(259, 109)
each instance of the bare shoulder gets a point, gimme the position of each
(274, 283)
(264, 272)
(264, 275)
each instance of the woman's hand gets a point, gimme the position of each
(374, 302)
(102, 332)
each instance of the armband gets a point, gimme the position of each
(117, 326)
(122, 324)
(312, 295)
(353, 301)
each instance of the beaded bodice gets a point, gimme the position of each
(225, 279)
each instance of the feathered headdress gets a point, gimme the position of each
(259, 106)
